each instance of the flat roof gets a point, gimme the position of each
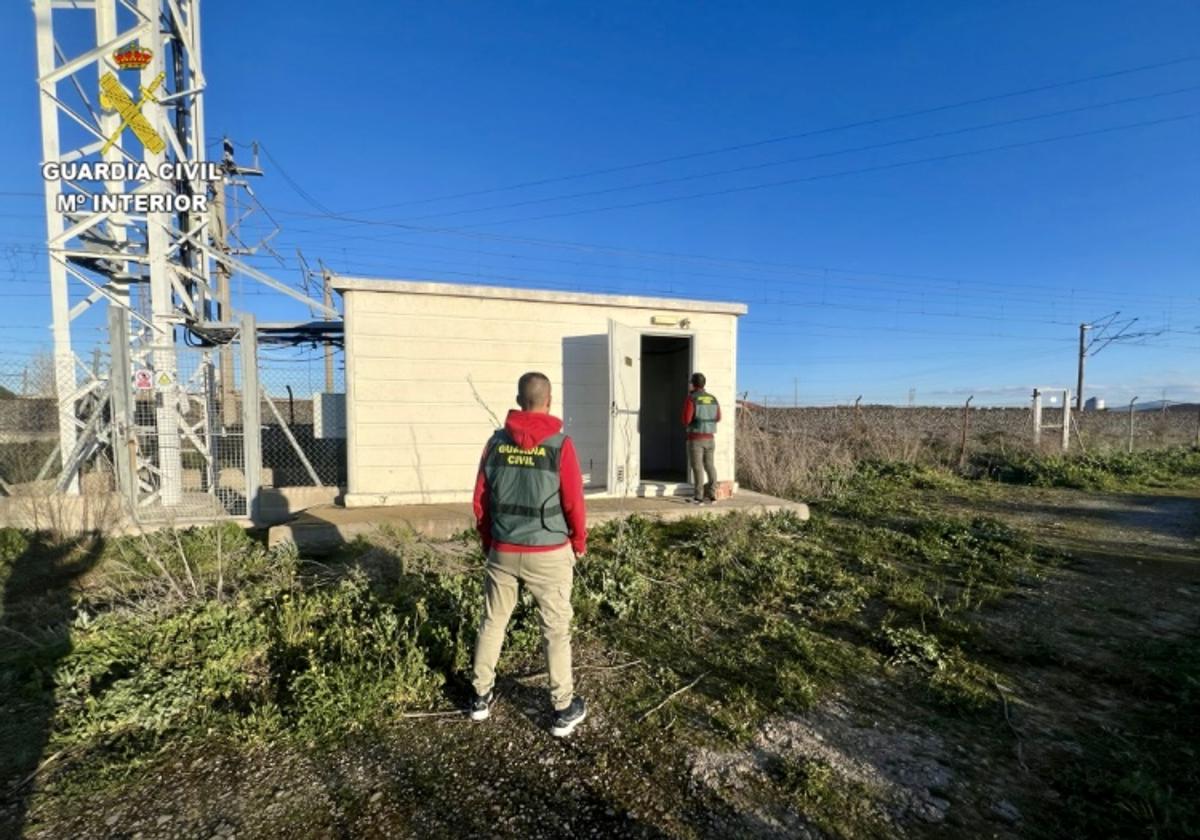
(425, 287)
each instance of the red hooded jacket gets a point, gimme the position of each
(528, 429)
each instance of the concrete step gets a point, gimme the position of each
(322, 529)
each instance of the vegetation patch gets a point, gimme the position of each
(1142, 778)
(1177, 467)
(113, 652)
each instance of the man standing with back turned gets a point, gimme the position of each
(701, 414)
(531, 519)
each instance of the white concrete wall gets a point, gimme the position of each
(420, 369)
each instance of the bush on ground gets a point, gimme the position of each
(204, 631)
(777, 455)
(1174, 467)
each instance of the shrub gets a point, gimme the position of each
(1098, 471)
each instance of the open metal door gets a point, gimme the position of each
(624, 405)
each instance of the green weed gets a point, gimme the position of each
(1177, 467)
(839, 807)
(1141, 778)
(206, 634)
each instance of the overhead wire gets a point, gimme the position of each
(324, 209)
(883, 167)
(800, 135)
(818, 156)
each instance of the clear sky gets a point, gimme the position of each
(620, 147)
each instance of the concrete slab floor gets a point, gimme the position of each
(322, 529)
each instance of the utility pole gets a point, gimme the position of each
(1083, 328)
(1101, 339)
(220, 238)
(327, 290)
(230, 411)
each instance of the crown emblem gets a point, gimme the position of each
(132, 57)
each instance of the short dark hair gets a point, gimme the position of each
(698, 380)
(533, 390)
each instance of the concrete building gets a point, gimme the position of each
(431, 370)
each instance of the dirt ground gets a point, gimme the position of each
(1132, 579)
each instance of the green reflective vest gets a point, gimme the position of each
(704, 413)
(523, 486)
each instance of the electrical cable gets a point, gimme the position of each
(798, 135)
(845, 172)
(805, 158)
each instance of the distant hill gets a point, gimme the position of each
(6, 394)
(1157, 405)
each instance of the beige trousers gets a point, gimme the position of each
(702, 455)
(548, 575)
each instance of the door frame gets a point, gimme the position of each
(691, 336)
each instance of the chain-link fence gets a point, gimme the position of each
(811, 450)
(948, 433)
(187, 435)
(303, 417)
(165, 438)
(28, 420)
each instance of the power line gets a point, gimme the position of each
(788, 269)
(810, 278)
(573, 245)
(796, 135)
(834, 153)
(857, 171)
(789, 280)
(840, 286)
(300, 191)
(907, 295)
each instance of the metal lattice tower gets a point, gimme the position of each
(154, 270)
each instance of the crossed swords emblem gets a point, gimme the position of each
(113, 97)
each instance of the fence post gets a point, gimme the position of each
(1037, 419)
(123, 442)
(1131, 402)
(251, 417)
(1066, 420)
(966, 424)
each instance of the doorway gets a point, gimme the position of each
(665, 367)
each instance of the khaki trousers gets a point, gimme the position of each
(700, 453)
(548, 575)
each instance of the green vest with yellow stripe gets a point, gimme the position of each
(704, 413)
(523, 485)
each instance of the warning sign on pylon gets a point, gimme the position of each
(164, 379)
(143, 379)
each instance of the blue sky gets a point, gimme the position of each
(908, 254)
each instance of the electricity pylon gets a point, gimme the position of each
(122, 81)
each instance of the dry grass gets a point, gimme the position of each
(786, 461)
(777, 454)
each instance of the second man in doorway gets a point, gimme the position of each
(701, 414)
